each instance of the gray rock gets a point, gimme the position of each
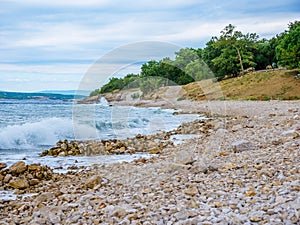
(181, 215)
(243, 145)
(184, 157)
(93, 181)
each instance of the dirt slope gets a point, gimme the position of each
(265, 85)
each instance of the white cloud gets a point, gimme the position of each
(35, 32)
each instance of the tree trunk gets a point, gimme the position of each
(240, 59)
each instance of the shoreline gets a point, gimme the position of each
(243, 168)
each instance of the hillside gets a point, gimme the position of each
(261, 85)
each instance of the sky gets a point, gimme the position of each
(52, 45)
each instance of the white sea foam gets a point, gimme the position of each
(30, 135)
(103, 101)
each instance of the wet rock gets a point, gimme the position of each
(18, 168)
(18, 183)
(3, 165)
(44, 153)
(34, 167)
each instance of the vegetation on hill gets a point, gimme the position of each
(262, 85)
(232, 54)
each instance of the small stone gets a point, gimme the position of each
(191, 191)
(184, 157)
(154, 150)
(62, 154)
(181, 215)
(290, 133)
(93, 181)
(64, 146)
(33, 182)
(108, 147)
(44, 153)
(18, 183)
(251, 192)
(236, 128)
(33, 167)
(44, 197)
(242, 145)
(255, 219)
(7, 178)
(138, 136)
(119, 212)
(122, 149)
(17, 168)
(219, 204)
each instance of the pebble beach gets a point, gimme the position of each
(242, 168)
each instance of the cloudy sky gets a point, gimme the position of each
(51, 44)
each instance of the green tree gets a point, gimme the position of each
(288, 49)
(265, 54)
(199, 70)
(149, 84)
(237, 50)
(150, 69)
(210, 52)
(185, 56)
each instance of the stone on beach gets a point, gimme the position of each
(2, 165)
(18, 183)
(93, 181)
(17, 168)
(243, 145)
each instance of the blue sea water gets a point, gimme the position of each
(29, 126)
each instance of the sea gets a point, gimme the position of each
(29, 126)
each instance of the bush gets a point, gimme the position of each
(149, 84)
(135, 95)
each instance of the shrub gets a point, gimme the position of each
(135, 95)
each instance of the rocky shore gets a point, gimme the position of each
(242, 169)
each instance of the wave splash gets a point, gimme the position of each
(31, 135)
(34, 135)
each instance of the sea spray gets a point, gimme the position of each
(33, 135)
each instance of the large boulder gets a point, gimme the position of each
(18, 183)
(17, 168)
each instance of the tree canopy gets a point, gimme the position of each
(288, 48)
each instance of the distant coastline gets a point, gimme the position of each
(43, 95)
